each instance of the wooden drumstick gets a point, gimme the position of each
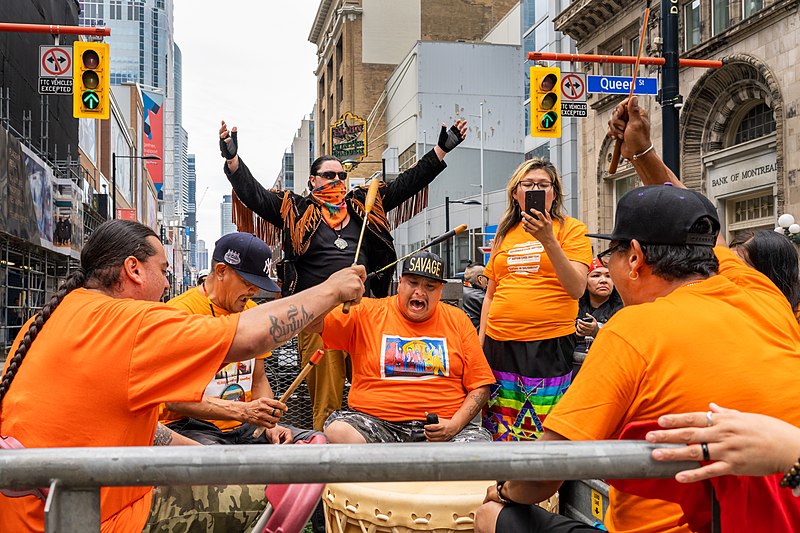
(372, 195)
(296, 383)
(612, 166)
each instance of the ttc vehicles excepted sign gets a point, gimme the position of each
(55, 69)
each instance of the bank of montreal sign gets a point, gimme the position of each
(349, 137)
(749, 169)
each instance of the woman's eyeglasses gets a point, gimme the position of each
(543, 186)
(331, 175)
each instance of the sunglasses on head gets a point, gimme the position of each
(331, 175)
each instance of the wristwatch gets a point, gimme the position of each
(503, 500)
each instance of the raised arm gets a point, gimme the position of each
(425, 170)
(266, 326)
(263, 202)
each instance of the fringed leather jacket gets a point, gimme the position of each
(299, 217)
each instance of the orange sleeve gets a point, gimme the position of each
(337, 334)
(175, 355)
(596, 405)
(477, 372)
(734, 269)
(575, 243)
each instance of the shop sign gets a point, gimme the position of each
(349, 137)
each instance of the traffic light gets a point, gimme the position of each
(91, 80)
(545, 102)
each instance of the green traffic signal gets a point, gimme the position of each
(549, 119)
(90, 99)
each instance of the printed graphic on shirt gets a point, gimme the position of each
(411, 358)
(525, 258)
(232, 382)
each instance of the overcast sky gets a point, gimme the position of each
(248, 62)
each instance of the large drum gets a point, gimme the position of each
(441, 507)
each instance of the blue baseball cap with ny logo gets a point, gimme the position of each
(249, 256)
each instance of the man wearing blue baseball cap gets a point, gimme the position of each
(239, 399)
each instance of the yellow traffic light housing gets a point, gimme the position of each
(91, 80)
(545, 102)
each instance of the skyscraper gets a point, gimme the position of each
(226, 216)
(191, 215)
(202, 255)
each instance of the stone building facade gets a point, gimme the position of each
(739, 127)
(361, 42)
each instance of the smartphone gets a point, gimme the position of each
(534, 199)
(431, 418)
(585, 319)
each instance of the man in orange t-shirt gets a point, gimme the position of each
(412, 356)
(698, 325)
(239, 398)
(93, 367)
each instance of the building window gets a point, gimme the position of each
(752, 6)
(721, 13)
(750, 212)
(115, 10)
(541, 152)
(691, 23)
(340, 90)
(622, 186)
(758, 122)
(625, 43)
(407, 159)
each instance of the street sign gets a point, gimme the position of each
(55, 69)
(573, 87)
(621, 85)
(574, 109)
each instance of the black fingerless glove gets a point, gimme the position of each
(449, 139)
(229, 149)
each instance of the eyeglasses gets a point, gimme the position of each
(604, 257)
(331, 175)
(543, 186)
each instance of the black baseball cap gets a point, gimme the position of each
(426, 264)
(249, 256)
(662, 214)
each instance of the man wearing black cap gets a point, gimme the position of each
(239, 398)
(698, 326)
(412, 356)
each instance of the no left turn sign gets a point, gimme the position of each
(55, 61)
(573, 86)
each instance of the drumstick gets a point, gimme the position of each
(296, 383)
(612, 166)
(372, 194)
(441, 238)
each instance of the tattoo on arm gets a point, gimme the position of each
(478, 398)
(163, 436)
(282, 328)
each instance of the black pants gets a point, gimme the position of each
(208, 434)
(534, 519)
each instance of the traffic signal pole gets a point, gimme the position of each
(670, 92)
(53, 29)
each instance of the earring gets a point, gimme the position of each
(631, 277)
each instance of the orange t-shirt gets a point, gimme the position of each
(96, 376)
(731, 339)
(529, 303)
(233, 381)
(402, 369)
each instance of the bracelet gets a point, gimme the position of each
(637, 156)
(791, 479)
(503, 500)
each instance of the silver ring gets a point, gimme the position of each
(706, 455)
(709, 419)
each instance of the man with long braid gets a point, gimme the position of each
(105, 336)
(320, 233)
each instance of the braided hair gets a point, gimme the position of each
(101, 260)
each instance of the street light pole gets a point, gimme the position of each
(114, 156)
(483, 199)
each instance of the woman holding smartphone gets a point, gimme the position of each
(537, 272)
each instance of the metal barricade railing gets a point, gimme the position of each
(76, 474)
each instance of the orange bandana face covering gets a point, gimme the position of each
(331, 195)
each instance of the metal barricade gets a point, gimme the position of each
(76, 474)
